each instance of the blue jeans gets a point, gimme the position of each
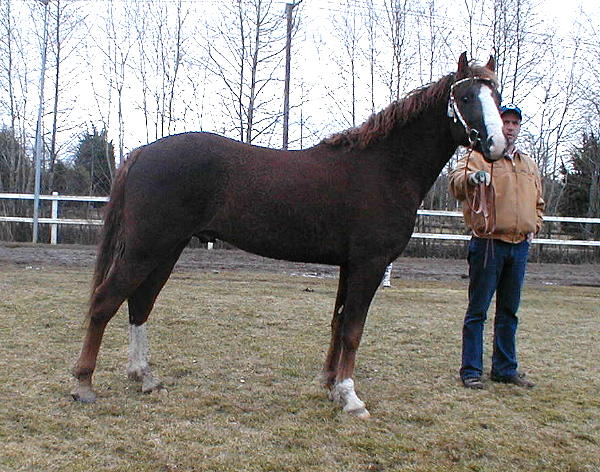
(494, 266)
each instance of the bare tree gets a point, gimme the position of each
(372, 50)
(342, 82)
(519, 48)
(589, 107)
(433, 41)
(347, 29)
(16, 166)
(161, 40)
(100, 55)
(554, 123)
(113, 43)
(119, 46)
(142, 69)
(13, 100)
(248, 60)
(15, 47)
(397, 40)
(472, 15)
(66, 21)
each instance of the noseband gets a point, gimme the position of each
(456, 115)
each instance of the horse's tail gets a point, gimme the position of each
(112, 243)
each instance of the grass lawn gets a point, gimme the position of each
(240, 354)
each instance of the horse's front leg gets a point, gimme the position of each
(361, 286)
(330, 369)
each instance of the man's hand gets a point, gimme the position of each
(480, 177)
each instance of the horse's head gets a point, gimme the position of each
(473, 108)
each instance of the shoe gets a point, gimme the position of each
(473, 382)
(517, 379)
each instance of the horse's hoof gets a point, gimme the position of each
(361, 413)
(138, 373)
(135, 375)
(83, 395)
(150, 384)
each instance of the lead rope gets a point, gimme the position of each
(483, 203)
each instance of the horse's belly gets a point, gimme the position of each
(297, 246)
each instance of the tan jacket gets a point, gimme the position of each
(518, 203)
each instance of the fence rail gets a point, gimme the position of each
(55, 221)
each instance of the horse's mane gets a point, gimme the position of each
(399, 112)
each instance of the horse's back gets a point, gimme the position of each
(281, 204)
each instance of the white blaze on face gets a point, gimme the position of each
(492, 122)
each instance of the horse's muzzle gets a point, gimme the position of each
(493, 148)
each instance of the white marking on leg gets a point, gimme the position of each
(492, 121)
(386, 282)
(343, 393)
(138, 352)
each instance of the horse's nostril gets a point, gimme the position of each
(490, 142)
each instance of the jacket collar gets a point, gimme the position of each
(514, 152)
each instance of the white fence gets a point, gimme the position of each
(54, 221)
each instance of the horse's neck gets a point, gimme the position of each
(422, 148)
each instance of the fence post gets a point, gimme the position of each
(54, 226)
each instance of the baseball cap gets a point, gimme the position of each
(512, 108)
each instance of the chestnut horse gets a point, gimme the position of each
(349, 201)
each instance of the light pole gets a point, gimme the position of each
(289, 7)
(38, 131)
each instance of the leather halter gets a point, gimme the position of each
(456, 115)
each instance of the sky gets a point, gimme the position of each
(565, 12)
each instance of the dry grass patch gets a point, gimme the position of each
(240, 354)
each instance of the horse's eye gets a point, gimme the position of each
(465, 99)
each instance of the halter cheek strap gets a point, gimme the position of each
(456, 115)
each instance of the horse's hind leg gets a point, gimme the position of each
(140, 305)
(106, 300)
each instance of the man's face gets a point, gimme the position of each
(511, 126)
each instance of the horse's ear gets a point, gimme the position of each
(463, 66)
(491, 64)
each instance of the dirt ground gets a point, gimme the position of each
(42, 256)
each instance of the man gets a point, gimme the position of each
(498, 250)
